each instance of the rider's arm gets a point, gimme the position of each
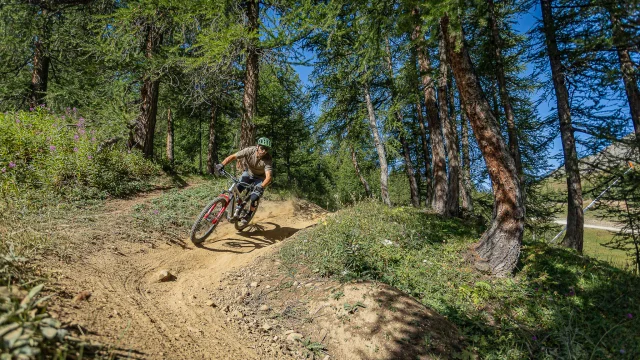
(267, 179)
(229, 159)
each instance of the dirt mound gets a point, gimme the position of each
(302, 316)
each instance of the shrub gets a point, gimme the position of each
(41, 152)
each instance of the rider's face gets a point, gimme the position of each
(262, 151)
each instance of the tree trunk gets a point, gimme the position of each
(438, 162)
(575, 217)
(425, 153)
(142, 133)
(499, 247)
(453, 184)
(413, 185)
(466, 187)
(627, 69)
(514, 146)
(212, 148)
(364, 182)
(250, 97)
(169, 137)
(40, 75)
(382, 156)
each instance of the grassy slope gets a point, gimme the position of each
(559, 304)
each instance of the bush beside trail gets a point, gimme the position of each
(558, 305)
(44, 154)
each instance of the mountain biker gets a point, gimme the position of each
(258, 170)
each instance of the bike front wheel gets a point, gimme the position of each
(208, 219)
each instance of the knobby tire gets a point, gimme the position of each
(214, 209)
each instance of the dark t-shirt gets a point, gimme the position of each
(255, 166)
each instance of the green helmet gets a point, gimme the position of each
(264, 142)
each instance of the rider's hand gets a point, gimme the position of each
(217, 168)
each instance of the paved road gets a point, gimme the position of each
(610, 228)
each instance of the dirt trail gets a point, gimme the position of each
(145, 318)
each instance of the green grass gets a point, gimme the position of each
(594, 241)
(558, 305)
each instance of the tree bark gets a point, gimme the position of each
(364, 182)
(453, 182)
(250, 97)
(575, 217)
(466, 187)
(142, 133)
(212, 148)
(438, 162)
(514, 146)
(382, 156)
(628, 71)
(425, 153)
(413, 185)
(499, 247)
(40, 75)
(169, 137)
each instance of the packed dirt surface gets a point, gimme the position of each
(147, 296)
(143, 317)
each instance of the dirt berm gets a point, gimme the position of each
(230, 298)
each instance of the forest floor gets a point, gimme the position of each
(227, 299)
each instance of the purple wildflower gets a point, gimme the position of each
(3, 170)
(571, 293)
(89, 157)
(74, 110)
(42, 105)
(12, 164)
(534, 338)
(156, 212)
(52, 148)
(63, 117)
(17, 121)
(75, 149)
(76, 137)
(81, 131)
(93, 139)
(30, 109)
(629, 316)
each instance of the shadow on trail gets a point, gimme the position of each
(418, 331)
(255, 236)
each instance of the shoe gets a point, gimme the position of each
(244, 222)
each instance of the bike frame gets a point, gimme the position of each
(231, 195)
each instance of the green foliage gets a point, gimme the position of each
(43, 153)
(558, 305)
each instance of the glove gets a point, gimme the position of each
(218, 168)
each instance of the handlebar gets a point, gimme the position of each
(233, 178)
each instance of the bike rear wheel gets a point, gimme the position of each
(208, 219)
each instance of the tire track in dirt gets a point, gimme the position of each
(171, 320)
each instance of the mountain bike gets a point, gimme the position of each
(225, 206)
